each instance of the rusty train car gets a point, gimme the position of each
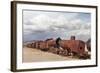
(74, 46)
(69, 47)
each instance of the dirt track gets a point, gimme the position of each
(34, 55)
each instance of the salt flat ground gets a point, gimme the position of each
(35, 55)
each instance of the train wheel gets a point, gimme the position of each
(69, 52)
(65, 53)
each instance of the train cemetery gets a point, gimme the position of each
(65, 48)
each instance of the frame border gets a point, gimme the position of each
(14, 35)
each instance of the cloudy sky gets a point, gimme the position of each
(40, 25)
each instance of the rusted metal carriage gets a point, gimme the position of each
(69, 47)
(73, 46)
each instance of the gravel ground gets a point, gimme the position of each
(35, 55)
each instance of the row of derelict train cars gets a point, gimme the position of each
(72, 47)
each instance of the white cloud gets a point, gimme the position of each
(80, 32)
(51, 22)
